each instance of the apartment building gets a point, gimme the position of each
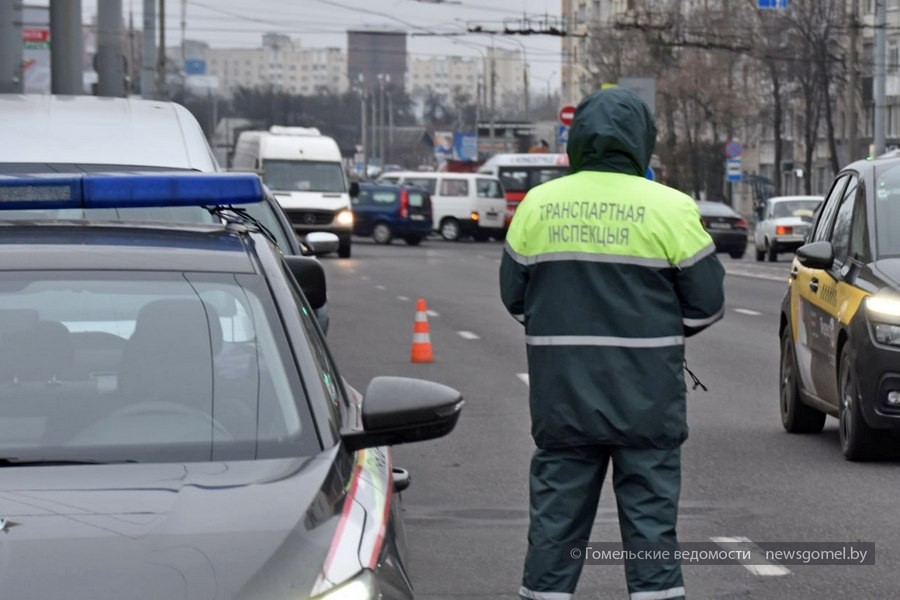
(445, 76)
(282, 63)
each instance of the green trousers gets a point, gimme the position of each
(565, 490)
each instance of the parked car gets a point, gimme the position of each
(726, 226)
(783, 225)
(174, 423)
(464, 204)
(840, 317)
(387, 211)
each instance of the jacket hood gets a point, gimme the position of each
(613, 130)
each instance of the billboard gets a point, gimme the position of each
(36, 50)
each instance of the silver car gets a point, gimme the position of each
(784, 224)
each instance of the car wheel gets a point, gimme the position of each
(736, 254)
(413, 240)
(796, 417)
(450, 229)
(858, 440)
(771, 252)
(344, 248)
(382, 234)
(760, 254)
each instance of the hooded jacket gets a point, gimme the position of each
(609, 272)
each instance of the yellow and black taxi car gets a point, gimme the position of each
(840, 318)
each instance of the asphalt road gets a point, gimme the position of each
(466, 512)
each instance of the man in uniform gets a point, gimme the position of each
(609, 272)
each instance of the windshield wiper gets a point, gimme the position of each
(15, 461)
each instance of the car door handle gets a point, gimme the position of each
(814, 285)
(793, 272)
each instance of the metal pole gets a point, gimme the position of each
(880, 74)
(390, 125)
(11, 80)
(66, 76)
(148, 64)
(161, 87)
(110, 58)
(853, 68)
(363, 127)
(374, 142)
(381, 118)
(493, 95)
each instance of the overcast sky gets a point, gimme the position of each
(322, 23)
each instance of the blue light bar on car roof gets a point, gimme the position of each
(128, 190)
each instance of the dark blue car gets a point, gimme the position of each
(387, 211)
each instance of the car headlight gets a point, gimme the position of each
(883, 311)
(887, 334)
(883, 305)
(361, 587)
(345, 217)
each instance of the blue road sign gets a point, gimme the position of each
(733, 149)
(772, 3)
(562, 136)
(734, 170)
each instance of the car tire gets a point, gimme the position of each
(450, 229)
(760, 254)
(736, 254)
(413, 240)
(796, 417)
(344, 248)
(382, 233)
(858, 440)
(771, 252)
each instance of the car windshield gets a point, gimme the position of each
(887, 211)
(304, 176)
(145, 367)
(716, 209)
(795, 208)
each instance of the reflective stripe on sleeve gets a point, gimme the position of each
(675, 592)
(693, 260)
(602, 340)
(524, 592)
(702, 322)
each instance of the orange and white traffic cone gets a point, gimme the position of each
(421, 345)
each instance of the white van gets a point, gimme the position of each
(462, 204)
(304, 170)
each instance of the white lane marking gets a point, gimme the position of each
(364, 277)
(468, 335)
(524, 378)
(432, 313)
(747, 311)
(403, 298)
(760, 566)
(380, 287)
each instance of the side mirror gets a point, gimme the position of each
(817, 255)
(311, 276)
(400, 410)
(354, 189)
(321, 242)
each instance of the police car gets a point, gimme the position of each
(840, 318)
(173, 425)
